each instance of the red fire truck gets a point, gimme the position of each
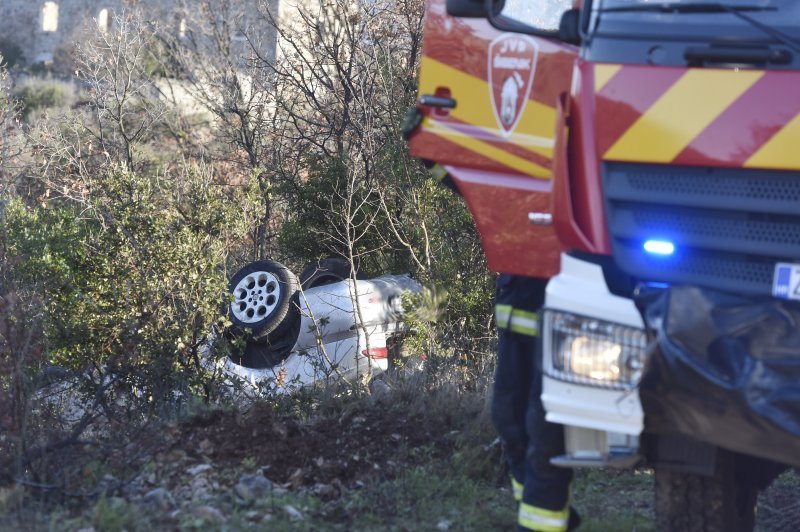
(645, 157)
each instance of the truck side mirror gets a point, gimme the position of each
(569, 28)
(564, 25)
(473, 8)
(466, 8)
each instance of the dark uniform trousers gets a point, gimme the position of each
(517, 412)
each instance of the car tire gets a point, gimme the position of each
(698, 503)
(52, 375)
(326, 271)
(262, 355)
(265, 301)
(244, 350)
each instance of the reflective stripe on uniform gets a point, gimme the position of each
(502, 315)
(524, 322)
(438, 172)
(542, 520)
(517, 487)
(518, 321)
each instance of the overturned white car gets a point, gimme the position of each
(325, 324)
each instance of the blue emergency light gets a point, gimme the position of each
(663, 248)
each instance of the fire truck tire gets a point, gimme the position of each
(326, 271)
(265, 297)
(698, 503)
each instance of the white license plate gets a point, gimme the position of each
(786, 281)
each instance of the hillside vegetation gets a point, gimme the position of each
(130, 192)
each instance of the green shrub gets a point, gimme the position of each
(38, 94)
(115, 515)
(130, 270)
(402, 221)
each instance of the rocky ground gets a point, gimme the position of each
(393, 463)
(241, 468)
(237, 460)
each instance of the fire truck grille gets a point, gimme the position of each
(729, 226)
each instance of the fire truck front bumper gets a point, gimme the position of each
(594, 347)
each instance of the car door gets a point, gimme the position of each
(488, 100)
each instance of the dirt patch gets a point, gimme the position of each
(357, 446)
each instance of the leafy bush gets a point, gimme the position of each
(402, 221)
(131, 271)
(21, 353)
(38, 94)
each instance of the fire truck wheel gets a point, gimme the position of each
(265, 295)
(326, 271)
(698, 503)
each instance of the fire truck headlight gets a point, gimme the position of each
(594, 352)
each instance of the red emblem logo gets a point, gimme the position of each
(512, 62)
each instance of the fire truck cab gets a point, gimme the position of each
(641, 155)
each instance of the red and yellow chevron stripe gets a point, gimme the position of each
(719, 117)
(473, 127)
(456, 58)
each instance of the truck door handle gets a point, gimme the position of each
(429, 100)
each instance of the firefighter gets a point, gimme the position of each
(542, 490)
